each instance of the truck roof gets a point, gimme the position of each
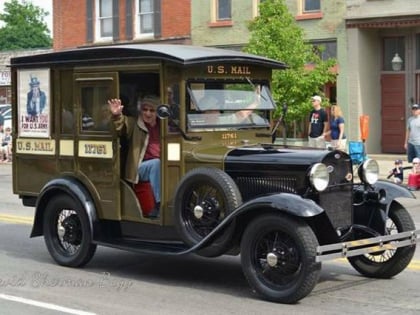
(186, 55)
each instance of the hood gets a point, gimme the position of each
(259, 157)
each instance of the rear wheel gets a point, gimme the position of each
(278, 258)
(67, 232)
(388, 263)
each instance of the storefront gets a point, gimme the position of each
(384, 55)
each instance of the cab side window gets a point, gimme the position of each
(91, 97)
(95, 114)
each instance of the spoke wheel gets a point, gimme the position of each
(205, 197)
(278, 258)
(388, 263)
(67, 232)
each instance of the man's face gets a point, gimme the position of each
(148, 113)
(316, 104)
(35, 89)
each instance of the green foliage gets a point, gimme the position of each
(24, 26)
(275, 34)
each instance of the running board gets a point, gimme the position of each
(367, 246)
(147, 247)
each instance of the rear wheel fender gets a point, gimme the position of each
(68, 186)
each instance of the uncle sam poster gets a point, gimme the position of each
(34, 103)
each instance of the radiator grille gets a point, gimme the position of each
(337, 199)
(337, 202)
(254, 186)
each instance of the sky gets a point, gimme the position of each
(44, 4)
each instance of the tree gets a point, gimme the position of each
(24, 26)
(276, 35)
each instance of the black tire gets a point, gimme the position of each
(278, 258)
(389, 263)
(204, 198)
(67, 232)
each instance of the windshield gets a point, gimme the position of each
(229, 105)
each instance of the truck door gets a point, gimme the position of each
(97, 156)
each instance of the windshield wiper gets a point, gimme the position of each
(255, 88)
(273, 132)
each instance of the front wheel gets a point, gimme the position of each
(67, 232)
(388, 263)
(278, 258)
(205, 197)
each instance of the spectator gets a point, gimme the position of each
(318, 124)
(398, 172)
(338, 137)
(412, 134)
(87, 122)
(143, 159)
(6, 145)
(416, 166)
(104, 124)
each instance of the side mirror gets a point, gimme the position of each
(164, 112)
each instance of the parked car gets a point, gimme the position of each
(226, 187)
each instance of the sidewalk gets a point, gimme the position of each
(386, 163)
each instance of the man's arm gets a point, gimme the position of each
(407, 132)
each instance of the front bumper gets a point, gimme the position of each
(367, 245)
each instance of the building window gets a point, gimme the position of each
(220, 13)
(308, 10)
(103, 19)
(326, 49)
(144, 18)
(391, 47)
(224, 10)
(311, 5)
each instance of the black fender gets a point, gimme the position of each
(392, 191)
(284, 202)
(71, 187)
(382, 197)
(288, 203)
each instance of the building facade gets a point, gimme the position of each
(80, 23)
(364, 35)
(382, 85)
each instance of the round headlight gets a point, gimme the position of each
(369, 172)
(319, 176)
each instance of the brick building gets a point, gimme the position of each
(79, 23)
